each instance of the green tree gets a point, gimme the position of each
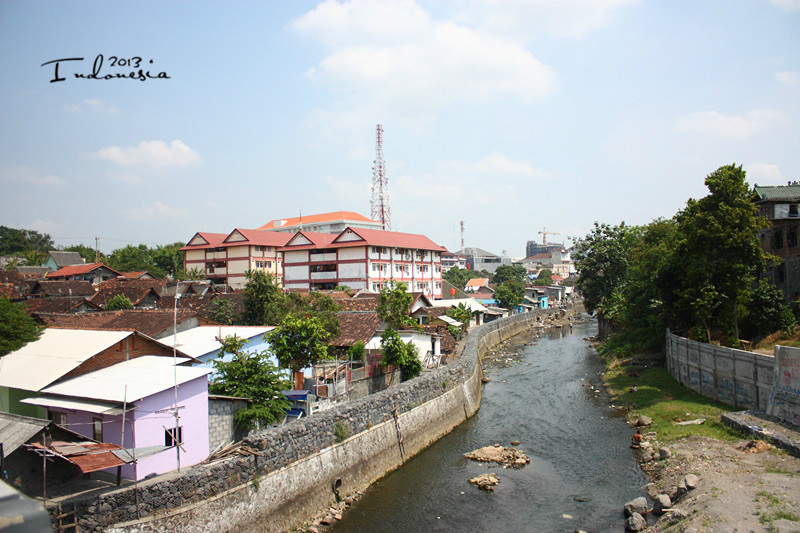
(169, 258)
(17, 328)
(462, 313)
(395, 304)
(118, 302)
(252, 376)
(191, 274)
(401, 354)
(545, 277)
(318, 305)
(458, 277)
(221, 310)
(720, 248)
(18, 241)
(510, 294)
(357, 352)
(505, 273)
(264, 302)
(298, 343)
(602, 260)
(767, 311)
(134, 259)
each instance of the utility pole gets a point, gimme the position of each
(96, 250)
(462, 235)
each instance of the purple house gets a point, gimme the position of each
(142, 392)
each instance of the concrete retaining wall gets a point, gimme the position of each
(351, 445)
(734, 377)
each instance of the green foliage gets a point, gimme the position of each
(17, 328)
(264, 302)
(19, 241)
(510, 294)
(252, 376)
(357, 352)
(299, 342)
(505, 273)
(221, 310)
(318, 305)
(462, 313)
(458, 277)
(602, 259)
(766, 308)
(341, 430)
(395, 304)
(118, 302)
(400, 354)
(545, 277)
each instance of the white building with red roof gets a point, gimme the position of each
(334, 223)
(224, 258)
(362, 258)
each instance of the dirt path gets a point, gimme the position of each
(737, 491)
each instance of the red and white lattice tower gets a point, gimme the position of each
(379, 203)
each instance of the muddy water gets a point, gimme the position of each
(543, 394)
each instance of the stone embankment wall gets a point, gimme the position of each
(734, 377)
(300, 466)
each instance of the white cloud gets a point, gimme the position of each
(526, 19)
(786, 5)
(32, 176)
(392, 55)
(788, 77)
(764, 174)
(730, 127)
(155, 154)
(96, 106)
(497, 164)
(157, 210)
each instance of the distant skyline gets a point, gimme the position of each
(511, 116)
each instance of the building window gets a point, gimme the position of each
(97, 429)
(169, 439)
(59, 419)
(777, 240)
(793, 211)
(791, 238)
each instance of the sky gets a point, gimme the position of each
(513, 116)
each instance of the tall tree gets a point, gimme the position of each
(299, 343)
(505, 273)
(17, 328)
(13, 241)
(510, 294)
(545, 277)
(720, 248)
(133, 259)
(395, 304)
(401, 354)
(264, 302)
(252, 376)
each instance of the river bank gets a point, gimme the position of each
(743, 485)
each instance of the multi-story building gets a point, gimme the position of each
(333, 223)
(450, 260)
(780, 204)
(362, 259)
(226, 258)
(477, 259)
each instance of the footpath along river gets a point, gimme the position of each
(542, 393)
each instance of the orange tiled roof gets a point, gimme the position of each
(315, 219)
(73, 270)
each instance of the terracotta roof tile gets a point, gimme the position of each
(66, 287)
(151, 322)
(356, 327)
(74, 270)
(316, 219)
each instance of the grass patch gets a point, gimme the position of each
(776, 509)
(666, 401)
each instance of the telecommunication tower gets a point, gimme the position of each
(379, 202)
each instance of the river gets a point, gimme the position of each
(581, 472)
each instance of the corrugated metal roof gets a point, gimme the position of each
(15, 430)
(144, 376)
(100, 408)
(203, 339)
(57, 352)
(88, 456)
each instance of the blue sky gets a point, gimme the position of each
(511, 115)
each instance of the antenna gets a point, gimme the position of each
(379, 202)
(462, 235)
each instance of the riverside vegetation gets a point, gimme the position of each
(700, 275)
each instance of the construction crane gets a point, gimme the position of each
(545, 233)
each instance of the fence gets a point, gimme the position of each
(734, 377)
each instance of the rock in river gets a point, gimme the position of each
(499, 454)
(486, 481)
